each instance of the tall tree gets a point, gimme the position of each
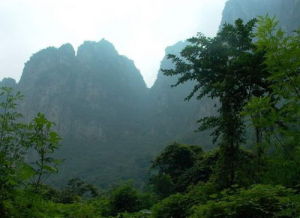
(278, 112)
(228, 68)
(281, 108)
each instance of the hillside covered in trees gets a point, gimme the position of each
(87, 124)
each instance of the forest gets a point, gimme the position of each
(252, 72)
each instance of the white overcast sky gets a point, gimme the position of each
(139, 29)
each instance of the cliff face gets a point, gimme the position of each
(97, 98)
(286, 11)
(177, 117)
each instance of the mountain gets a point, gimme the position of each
(286, 11)
(97, 98)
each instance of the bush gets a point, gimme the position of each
(175, 206)
(33, 205)
(162, 185)
(257, 201)
(124, 199)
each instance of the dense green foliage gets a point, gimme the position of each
(257, 201)
(256, 82)
(12, 143)
(16, 138)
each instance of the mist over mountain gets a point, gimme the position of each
(112, 125)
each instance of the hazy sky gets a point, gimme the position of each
(139, 29)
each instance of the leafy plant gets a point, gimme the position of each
(44, 141)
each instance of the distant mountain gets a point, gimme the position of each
(97, 98)
(286, 11)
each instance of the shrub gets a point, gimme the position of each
(124, 199)
(257, 201)
(175, 206)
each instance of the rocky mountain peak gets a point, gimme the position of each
(67, 50)
(8, 82)
(91, 50)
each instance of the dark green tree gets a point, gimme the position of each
(124, 199)
(77, 188)
(175, 159)
(162, 185)
(171, 165)
(228, 68)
